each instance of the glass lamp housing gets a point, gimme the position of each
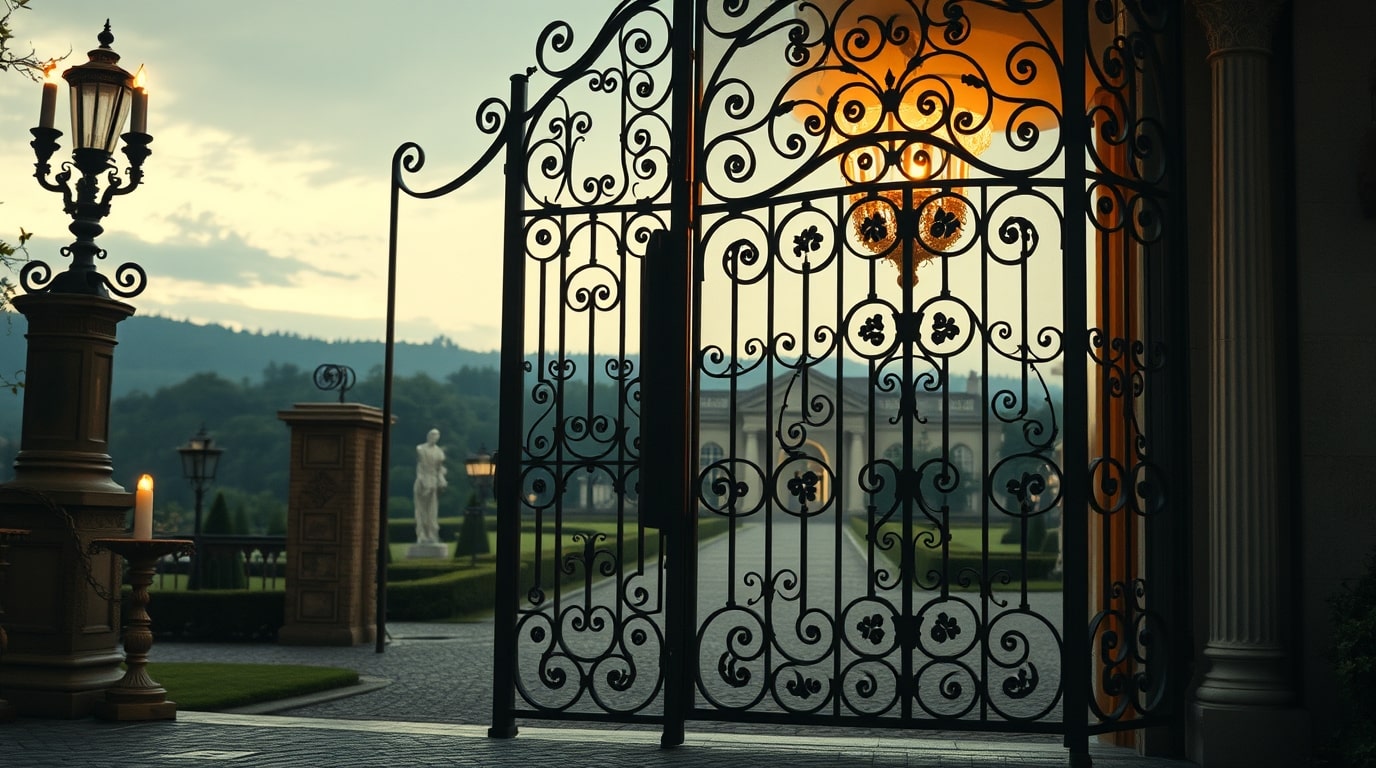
(102, 93)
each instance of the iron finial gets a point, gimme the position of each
(106, 37)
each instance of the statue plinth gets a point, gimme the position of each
(427, 551)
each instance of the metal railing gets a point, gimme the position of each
(261, 558)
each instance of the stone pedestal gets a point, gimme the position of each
(427, 551)
(332, 519)
(138, 696)
(63, 628)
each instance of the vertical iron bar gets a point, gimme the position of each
(385, 476)
(1075, 648)
(663, 456)
(509, 442)
(198, 556)
(1169, 541)
(908, 487)
(681, 615)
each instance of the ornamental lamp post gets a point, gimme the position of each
(199, 462)
(59, 664)
(473, 537)
(480, 468)
(103, 96)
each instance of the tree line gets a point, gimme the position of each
(253, 473)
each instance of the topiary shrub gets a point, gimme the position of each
(215, 615)
(472, 539)
(220, 567)
(1354, 661)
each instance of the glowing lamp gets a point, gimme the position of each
(912, 102)
(102, 94)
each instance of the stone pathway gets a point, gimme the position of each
(436, 706)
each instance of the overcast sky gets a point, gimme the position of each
(265, 201)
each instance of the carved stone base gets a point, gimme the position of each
(427, 551)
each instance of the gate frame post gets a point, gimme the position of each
(509, 440)
(679, 303)
(1075, 646)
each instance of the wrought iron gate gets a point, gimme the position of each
(838, 379)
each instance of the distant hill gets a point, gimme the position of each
(156, 352)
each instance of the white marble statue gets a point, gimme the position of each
(430, 480)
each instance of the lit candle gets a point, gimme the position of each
(45, 115)
(143, 508)
(138, 123)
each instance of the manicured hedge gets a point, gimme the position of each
(969, 562)
(415, 592)
(215, 614)
(963, 563)
(402, 530)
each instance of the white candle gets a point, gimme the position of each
(143, 508)
(138, 123)
(45, 115)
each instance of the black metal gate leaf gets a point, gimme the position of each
(874, 295)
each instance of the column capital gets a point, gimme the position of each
(1238, 24)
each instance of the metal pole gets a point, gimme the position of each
(680, 652)
(385, 475)
(509, 440)
(1075, 648)
(199, 554)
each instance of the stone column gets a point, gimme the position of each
(332, 516)
(1244, 711)
(857, 462)
(60, 616)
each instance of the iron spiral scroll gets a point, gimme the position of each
(87, 200)
(329, 377)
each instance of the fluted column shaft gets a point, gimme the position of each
(1246, 649)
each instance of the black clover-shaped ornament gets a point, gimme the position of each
(809, 240)
(872, 330)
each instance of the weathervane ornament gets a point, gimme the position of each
(103, 96)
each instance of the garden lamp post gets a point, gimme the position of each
(480, 468)
(103, 97)
(199, 462)
(59, 664)
(473, 537)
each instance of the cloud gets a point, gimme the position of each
(265, 201)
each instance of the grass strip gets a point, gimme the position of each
(210, 687)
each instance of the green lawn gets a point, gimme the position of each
(212, 687)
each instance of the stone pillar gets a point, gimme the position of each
(63, 625)
(332, 516)
(859, 499)
(1244, 711)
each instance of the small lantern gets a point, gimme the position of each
(102, 94)
(199, 459)
(480, 466)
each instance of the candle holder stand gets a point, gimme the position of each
(137, 696)
(7, 537)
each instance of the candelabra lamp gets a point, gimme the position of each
(137, 696)
(7, 535)
(103, 95)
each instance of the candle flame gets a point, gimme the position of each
(146, 483)
(141, 79)
(50, 72)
